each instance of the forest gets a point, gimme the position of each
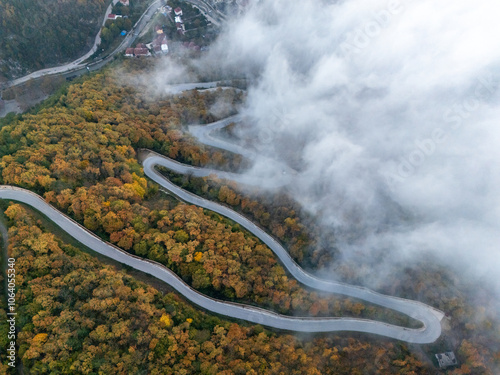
(80, 152)
(39, 34)
(82, 158)
(278, 213)
(80, 316)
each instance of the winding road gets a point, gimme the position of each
(79, 64)
(265, 169)
(427, 315)
(69, 66)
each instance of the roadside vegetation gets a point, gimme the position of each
(81, 154)
(39, 34)
(278, 213)
(112, 31)
(80, 316)
(198, 29)
(82, 158)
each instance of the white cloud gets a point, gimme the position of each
(408, 101)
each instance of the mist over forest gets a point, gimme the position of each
(214, 191)
(388, 111)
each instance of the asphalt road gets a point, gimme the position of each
(264, 167)
(430, 317)
(66, 67)
(212, 14)
(75, 67)
(257, 181)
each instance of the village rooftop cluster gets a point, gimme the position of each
(159, 44)
(112, 16)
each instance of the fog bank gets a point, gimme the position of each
(389, 110)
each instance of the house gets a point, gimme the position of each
(137, 51)
(125, 2)
(178, 19)
(141, 52)
(129, 52)
(446, 359)
(158, 29)
(178, 11)
(164, 47)
(160, 45)
(112, 16)
(163, 43)
(180, 27)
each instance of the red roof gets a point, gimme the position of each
(160, 39)
(129, 51)
(141, 51)
(111, 16)
(177, 10)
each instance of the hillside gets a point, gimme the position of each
(80, 316)
(80, 153)
(39, 34)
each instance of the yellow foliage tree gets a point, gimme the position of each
(40, 338)
(166, 320)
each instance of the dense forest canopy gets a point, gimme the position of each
(83, 159)
(80, 151)
(80, 316)
(38, 34)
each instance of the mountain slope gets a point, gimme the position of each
(39, 34)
